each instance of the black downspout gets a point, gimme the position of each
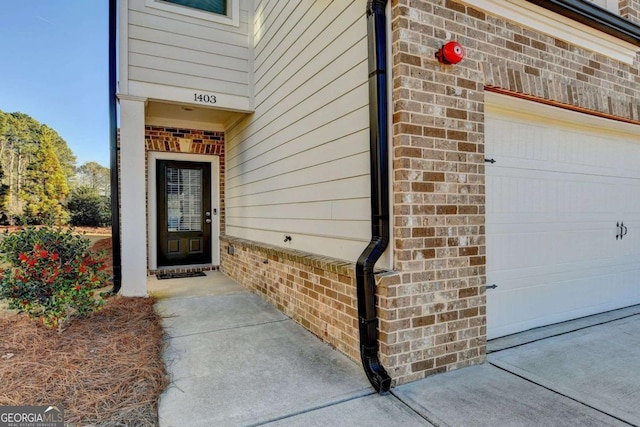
(378, 134)
(113, 140)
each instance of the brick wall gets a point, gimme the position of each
(179, 140)
(432, 308)
(630, 9)
(317, 292)
(193, 141)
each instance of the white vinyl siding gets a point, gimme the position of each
(299, 166)
(181, 51)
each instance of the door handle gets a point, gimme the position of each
(623, 230)
(208, 220)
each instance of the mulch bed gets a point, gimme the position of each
(104, 370)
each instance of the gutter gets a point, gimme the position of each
(379, 158)
(113, 142)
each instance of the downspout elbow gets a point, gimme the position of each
(367, 317)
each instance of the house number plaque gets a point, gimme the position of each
(205, 98)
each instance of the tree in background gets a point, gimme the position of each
(46, 188)
(4, 193)
(18, 139)
(4, 188)
(94, 176)
(27, 149)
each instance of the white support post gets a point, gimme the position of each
(132, 196)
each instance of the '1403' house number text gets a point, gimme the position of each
(204, 97)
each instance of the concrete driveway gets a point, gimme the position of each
(237, 361)
(580, 373)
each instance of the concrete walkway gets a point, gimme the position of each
(237, 361)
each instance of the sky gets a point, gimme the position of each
(54, 59)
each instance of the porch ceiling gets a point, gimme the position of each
(161, 112)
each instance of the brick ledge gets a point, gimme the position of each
(275, 253)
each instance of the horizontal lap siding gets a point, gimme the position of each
(299, 166)
(175, 50)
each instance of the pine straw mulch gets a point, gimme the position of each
(104, 246)
(105, 370)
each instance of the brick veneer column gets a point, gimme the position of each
(630, 9)
(432, 310)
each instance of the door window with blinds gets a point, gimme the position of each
(184, 199)
(184, 212)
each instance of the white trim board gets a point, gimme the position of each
(186, 96)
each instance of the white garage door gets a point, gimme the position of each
(562, 186)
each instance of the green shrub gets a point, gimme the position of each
(88, 208)
(51, 274)
(33, 216)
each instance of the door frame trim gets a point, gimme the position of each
(152, 203)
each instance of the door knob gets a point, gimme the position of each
(208, 220)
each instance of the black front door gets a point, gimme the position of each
(184, 212)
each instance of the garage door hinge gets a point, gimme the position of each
(492, 161)
(492, 286)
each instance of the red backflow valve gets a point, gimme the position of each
(450, 53)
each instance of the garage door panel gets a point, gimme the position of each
(631, 218)
(575, 247)
(630, 289)
(517, 251)
(569, 250)
(513, 223)
(599, 161)
(534, 145)
(511, 190)
(519, 193)
(631, 241)
(555, 201)
(554, 197)
(629, 165)
(541, 275)
(549, 301)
